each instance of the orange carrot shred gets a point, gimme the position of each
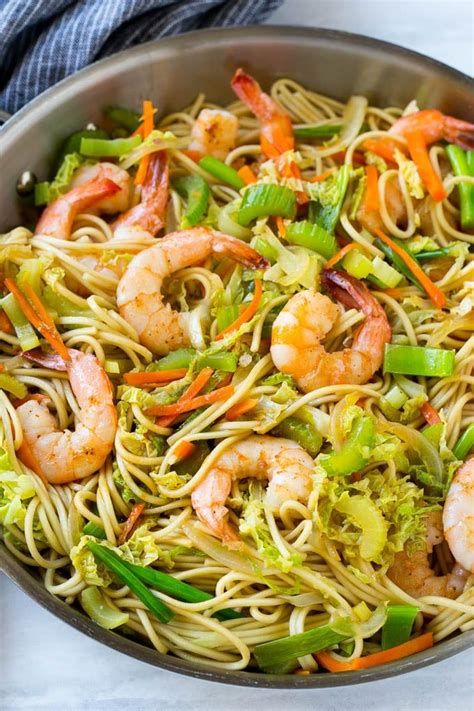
(418, 644)
(179, 407)
(247, 175)
(394, 293)
(240, 408)
(420, 156)
(247, 313)
(194, 389)
(340, 255)
(159, 376)
(280, 226)
(194, 155)
(148, 122)
(130, 523)
(435, 294)
(371, 195)
(184, 449)
(5, 324)
(320, 178)
(430, 413)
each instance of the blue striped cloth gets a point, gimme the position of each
(42, 41)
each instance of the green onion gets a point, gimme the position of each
(399, 624)
(73, 143)
(108, 148)
(263, 247)
(12, 385)
(465, 443)
(263, 200)
(285, 649)
(327, 216)
(126, 118)
(442, 252)
(92, 529)
(458, 159)
(161, 611)
(196, 191)
(23, 329)
(225, 316)
(397, 262)
(311, 236)
(317, 131)
(221, 171)
(352, 455)
(303, 433)
(183, 357)
(98, 610)
(416, 360)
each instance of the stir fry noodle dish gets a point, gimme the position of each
(236, 379)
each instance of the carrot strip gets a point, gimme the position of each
(194, 389)
(418, 644)
(340, 255)
(420, 156)
(383, 147)
(247, 175)
(357, 158)
(5, 324)
(148, 121)
(26, 457)
(194, 155)
(371, 195)
(430, 414)
(435, 294)
(178, 408)
(240, 408)
(184, 449)
(280, 226)
(247, 313)
(394, 293)
(320, 178)
(159, 376)
(130, 523)
(45, 326)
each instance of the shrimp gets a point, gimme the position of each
(286, 465)
(458, 516)
(111, 205)
(63, 457)
(435, 126)
(214, 133)
(412, 571)
(396, 207)
(139, 294)
(309, 316)
(276, 129)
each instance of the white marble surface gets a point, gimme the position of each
(47, 666)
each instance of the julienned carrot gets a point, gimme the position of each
(340, 255)
(383, 147)
(148, 121)
(5, 324)
(394, 293)
(130, 523)
(179, 407)
(435, 294)
(420, 156)
(246, 314)
(194, 155)
(26, 456)
(430, 414)
(320, 178)
(247, 175)
(357, 158)
(194, 389)
(280, 226)
(417, 644)
(158, 376)
(240, 408)
(371, 195)
(184, 449)
(39, 318)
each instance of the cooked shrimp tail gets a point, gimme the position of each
(435, 126)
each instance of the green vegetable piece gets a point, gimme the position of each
(73, 143)
(126, 118)
(161, 611)
(433, 433)
(459, 163)
(416, 360)
(98, 610)
(397, 262)
(354, 453)
(366, 516)
(311, 236)
(108, 148)
(465, 443)
(387, 276)
(357, 264)
(285, 649)
(197, 193)
(300, 432)
(218, 361)
(191, 464)
(262, 246)
(92, 529)
(12, 385)
(23, 329)
(225, 316)
(399, 624)
(317, 131)
(181, 358)
(47, 192)
(442, 252)
(42, 196)
(263, 200)
(327, 216)
(222, 171)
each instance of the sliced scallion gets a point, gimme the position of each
(397, 629)
(285, 649)
(221, 171)
(417, 360)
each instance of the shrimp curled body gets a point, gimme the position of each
(214, 133)
(66, 456)
(139, 296)
(286, 465)
(458, 516)
(309, 316)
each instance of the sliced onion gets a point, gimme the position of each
(304, 600)
(419, 444)
(214, 549)
(353, 118)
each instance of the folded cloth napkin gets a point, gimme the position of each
(42, 41)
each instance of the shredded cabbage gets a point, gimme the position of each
(15, 492)
(411, 175)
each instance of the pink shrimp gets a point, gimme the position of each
(435, 126)
(276, 130)
(458, 516)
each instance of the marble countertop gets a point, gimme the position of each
(47, 666)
